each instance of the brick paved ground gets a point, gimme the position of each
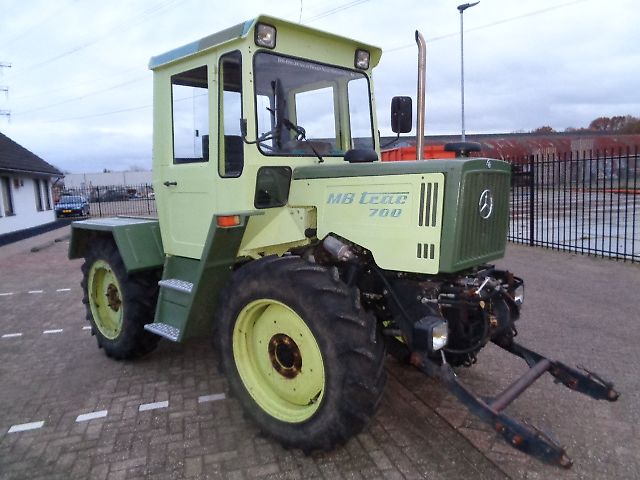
(419, 431)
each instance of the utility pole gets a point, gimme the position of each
(5, 89)
(461, 9)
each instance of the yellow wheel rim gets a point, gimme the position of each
(279, 360)
(105, 299)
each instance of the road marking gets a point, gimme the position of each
(211, 398)
(6, 294)
(26, 426)
(63, 290)
(153, 406)
(57, 330)
(11, 335)
(91, 416)
(35, 291)
(86, 328)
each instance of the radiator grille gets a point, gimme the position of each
(480, 237)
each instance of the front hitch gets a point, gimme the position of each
(524, 437)
(589, 383)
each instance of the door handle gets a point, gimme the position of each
(169, 184)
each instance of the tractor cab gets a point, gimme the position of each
(236, 112)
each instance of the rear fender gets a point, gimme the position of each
(137, 239)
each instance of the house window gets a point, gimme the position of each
(7, 199)
(47, 194)
(38, 192)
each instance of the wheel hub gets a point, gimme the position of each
(105, 301)
(285, 355)
(113, 297)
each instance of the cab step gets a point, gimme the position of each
(164, 330)
(184, 308)
(173, 309)
(177, 285)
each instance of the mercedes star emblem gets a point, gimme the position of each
(485, 204)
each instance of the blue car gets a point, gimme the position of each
(70, 205)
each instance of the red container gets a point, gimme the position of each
(409, 153)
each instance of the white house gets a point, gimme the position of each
(25, 188)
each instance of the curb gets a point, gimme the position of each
(13, 237)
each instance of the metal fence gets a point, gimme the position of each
(106, 201)
(586, 202)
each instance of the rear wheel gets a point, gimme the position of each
(300, 353)
(118, 305)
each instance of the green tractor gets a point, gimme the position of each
(283, 237)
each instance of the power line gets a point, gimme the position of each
(70, 86)
(335, 10)
(491, 24)
(124, 110)
(38, 24)
(75, 99)
(103, 114)
(149, 11)
(140, 18)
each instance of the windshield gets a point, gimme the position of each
(305, 108)
(71, 199)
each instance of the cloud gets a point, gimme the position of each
(80, 91)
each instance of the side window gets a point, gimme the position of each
(272, 187)
(360, 113)
(231, 148)
(7, 199)
(190, 101)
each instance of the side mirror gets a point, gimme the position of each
(401, 114)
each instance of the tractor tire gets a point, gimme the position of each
(302, 356)
(118, 304)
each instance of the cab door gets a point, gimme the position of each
(186, 201)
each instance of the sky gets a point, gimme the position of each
(80, 93)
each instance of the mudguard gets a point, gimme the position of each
(138, 240)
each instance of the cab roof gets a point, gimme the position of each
(242, 30)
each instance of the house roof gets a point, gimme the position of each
(16, 158)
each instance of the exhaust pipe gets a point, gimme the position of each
(422, 91)
(337, 249)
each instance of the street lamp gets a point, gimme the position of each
(461, 9)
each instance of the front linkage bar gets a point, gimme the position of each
(522, 436)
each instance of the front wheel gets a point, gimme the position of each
(300, 353)
(118, 304)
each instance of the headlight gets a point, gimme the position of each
(439, 336)
(430, 333)
(518, 295)
(362, 59)
(265, 35)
